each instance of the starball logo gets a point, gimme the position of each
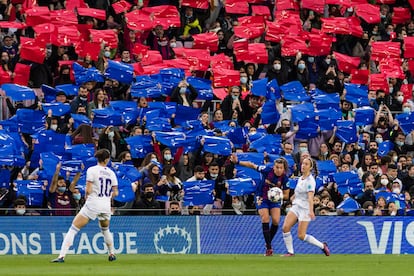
(172, 240)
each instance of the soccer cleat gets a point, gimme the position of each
(288, 255)
(58, 260)
(111, 258)
(269, 252)
(326, 249)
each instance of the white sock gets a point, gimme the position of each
(68, 240)
(108, 238)
(287, 238)
(312, 240)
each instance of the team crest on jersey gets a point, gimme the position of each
(172, 240)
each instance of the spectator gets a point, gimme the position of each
(146, 205)
(174, 208)
(181, 96)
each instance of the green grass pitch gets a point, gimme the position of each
(252, 265)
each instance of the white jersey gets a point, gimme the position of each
(301, 191)
(103, 179)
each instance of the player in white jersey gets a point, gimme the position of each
(101, 187)
(302, 210)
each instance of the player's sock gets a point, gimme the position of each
(68, 240)
(266, 235)
(273, 230)
(312, 240)
(287, 238)
(108, 238)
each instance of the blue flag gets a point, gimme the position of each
(349, 205)
(18, 92)
(83, 74)
(122, 72)
(217, 145)
(273, 90)
(302, 112)
(49, 92)
(241, 186)
(325, 101)
(140, 145)
(348, 180)
(259, 87)
(294, 91)
(128, 172)
(203, 87)
(222, 125)
(4, 178)
(170, 139)
(198, 192)
(270, 114)
(49, 140)
(81, 151)
(346, 131)
(145, 86)
(255, 157)
(384, 148)
(308, 129)
(406, 122)
(32, 190)
(327, 118)
(107, 117)
(185, 113)
(10, 124)
(357, 94)
(125, 192)
(80, 119)
(364, 116)
(58, 109)
(30, 121)
(168, 73)
(69, 89)
(238, 135)
(270, 143)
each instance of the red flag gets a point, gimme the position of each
(387, 2)
(138, 69)
(152, 69)
(206, 41)
(197, 4)
(319, 44)
(5, 76)
(15, 25)
(26, 4)
(407, 89)
(347, 63)
(37, 15)
(45, 28)
(95, 13)
(21, 74)
(63, 18)
(315, 5)
(359, 76)
(411, 3)
(199, 59)
(385, 50)
(237, 7)
(370, 13)
(152, 57)
(66, 36)
(261, 10)
(32, 50)
(241, 49)
(177, 63)
(411, 66)
(408, 47)
(392, 68)
(225, 77)
(220, 93)
(258, 53)
(248, 32)
(86, 48)
(140, 49)
(378, 82)
(346, 3)
(165, 15)
(282, 5)
(221, 60)
(121, 6)
(401, 15)
(108, 36)
(292, 45)
(72, 4)
(138, 20)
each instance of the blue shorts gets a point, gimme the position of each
(267, 204)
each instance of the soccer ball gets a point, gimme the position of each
(275, 195)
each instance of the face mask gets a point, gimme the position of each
(301, 66)
(20, 212)
(406, 110)
(395, 159)
(388, 33)
(325, 153)
(174, 213)
(378, 140)
(76, 197)
(173, 44)
(373, 151)
(107, 54)
(111, 135)
(83, 99)
(391, 89)
(167, 157)
(53, 127)
(396, 190)
(383, 16)
(350, 9)
(328, 61)
(303, 149)
(311, 59)
(214, 175)
(400, 99)
(183, 90)
(154, 160)
(234, 97)
(384, 182)
(149, 194)
(277, 66)
(61, 189)
(399, 143)
(243, 80)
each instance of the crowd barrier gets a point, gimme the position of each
(205, 235)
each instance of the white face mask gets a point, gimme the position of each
(213, 175)
(173, 44)
(400, 99)
(277, 66)
(406, 110)
(384, 182)
(379, 140)
(396, 190)
(20, 212)
(111, 135)
(53, 127)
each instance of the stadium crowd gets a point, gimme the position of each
(271, 68)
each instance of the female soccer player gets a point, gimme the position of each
(272, 177)
(302, 210)
(101, 187)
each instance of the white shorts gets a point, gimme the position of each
(92, 215)
(301, 213)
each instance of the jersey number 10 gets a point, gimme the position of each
(106, 187)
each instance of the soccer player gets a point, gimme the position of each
(271, 177)
(302, 210)
(101, 187)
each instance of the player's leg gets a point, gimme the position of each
(265, 218)
(302, 228)
(108, 238)
(290, 220)
(78, 223)
(275, 214)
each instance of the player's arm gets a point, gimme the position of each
(114, 191)
(53, 186)
(286, 194)
(310, 201)
(88, 189)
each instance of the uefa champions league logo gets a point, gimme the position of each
(172, 240)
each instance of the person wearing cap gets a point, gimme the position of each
(190, 25)
(61, 97)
